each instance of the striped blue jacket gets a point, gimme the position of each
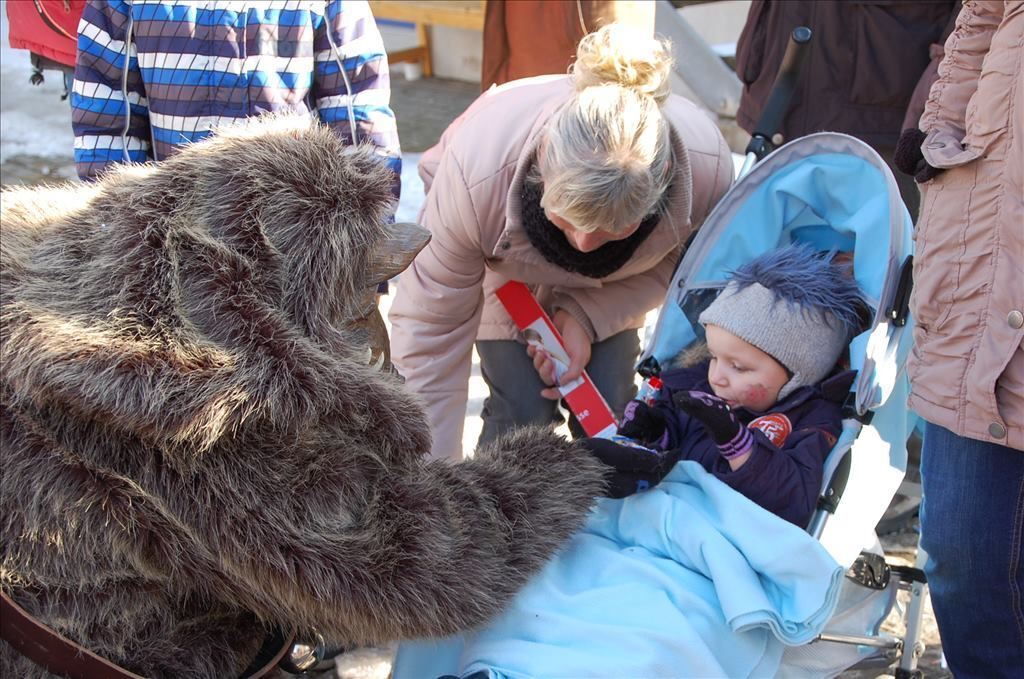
(196, 64)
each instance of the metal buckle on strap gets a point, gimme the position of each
(870, 570)
(899, 310)
(649, 367)
(849, 410)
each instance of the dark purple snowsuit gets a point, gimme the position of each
(783, 476)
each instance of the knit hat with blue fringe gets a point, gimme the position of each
(795, 305)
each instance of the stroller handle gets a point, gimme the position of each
(782, 92)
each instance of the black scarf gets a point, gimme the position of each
(555, 247)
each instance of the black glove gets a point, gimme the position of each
(644, 423)
(633, 469)
(908, 157)
(729, 434)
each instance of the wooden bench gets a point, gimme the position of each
(423, 13)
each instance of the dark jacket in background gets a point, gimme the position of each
(791, 441)
(865, 61)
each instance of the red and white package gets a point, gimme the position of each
(582, 397)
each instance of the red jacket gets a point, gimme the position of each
(48, 28)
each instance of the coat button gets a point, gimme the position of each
(997, 430)
(1015, 318)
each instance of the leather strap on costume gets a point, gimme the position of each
(50, 650)
(63, 657)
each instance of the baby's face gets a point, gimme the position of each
(741, 373)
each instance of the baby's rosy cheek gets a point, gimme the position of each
(755, 394)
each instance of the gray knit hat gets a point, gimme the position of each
(794, 305)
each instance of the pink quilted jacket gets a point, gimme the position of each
(967, 367)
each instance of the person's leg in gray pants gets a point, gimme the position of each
(515, 386)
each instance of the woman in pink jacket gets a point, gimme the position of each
(585, 187)
(967, 367)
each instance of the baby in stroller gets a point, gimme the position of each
(693, 578)
(763, 409)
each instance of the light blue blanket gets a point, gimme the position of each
(690, 579)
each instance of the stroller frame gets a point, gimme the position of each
(877, 401)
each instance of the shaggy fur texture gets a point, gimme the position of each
(193, 448)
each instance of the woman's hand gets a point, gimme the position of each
(577, 346)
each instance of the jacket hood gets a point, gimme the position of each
(184, 300)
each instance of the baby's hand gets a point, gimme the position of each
(645, 424)
(732, 438)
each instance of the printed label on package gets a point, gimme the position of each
(582, 397)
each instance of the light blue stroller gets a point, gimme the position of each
(833, 192)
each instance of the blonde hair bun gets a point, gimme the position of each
(624, 55)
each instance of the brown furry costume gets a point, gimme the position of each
(193, 447)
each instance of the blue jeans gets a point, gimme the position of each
(972, 526)
(515, 386)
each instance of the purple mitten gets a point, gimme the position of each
(643, 423)
(732, 438)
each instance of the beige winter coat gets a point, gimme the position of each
(445, 300)
(967, 368)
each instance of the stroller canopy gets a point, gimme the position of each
(827, 189)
